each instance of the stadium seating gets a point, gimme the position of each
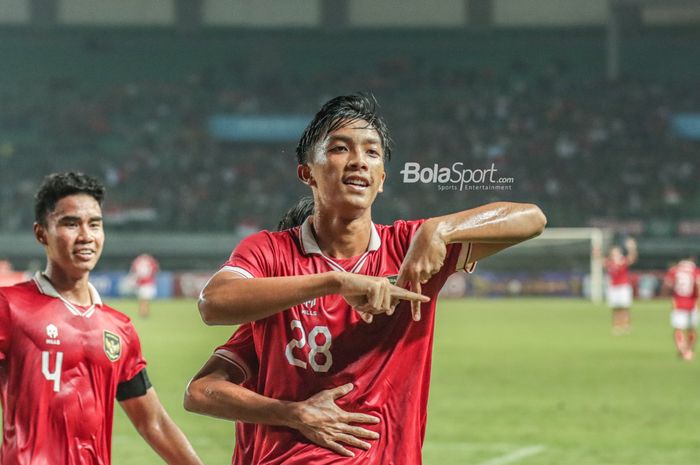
(133, 109)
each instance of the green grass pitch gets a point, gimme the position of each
(525, 381)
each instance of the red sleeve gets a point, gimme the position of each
(239, 350)
(133, 358)
(254, 256)
(5, 327)
(405, 230)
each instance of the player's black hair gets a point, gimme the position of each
(59, 185)
(338, 113)
(297, 214)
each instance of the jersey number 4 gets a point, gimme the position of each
(318, 353)
(54, 375)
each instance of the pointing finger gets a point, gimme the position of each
(415, 304)
(401, 278)
(404, 294)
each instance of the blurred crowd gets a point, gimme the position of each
(583, 149)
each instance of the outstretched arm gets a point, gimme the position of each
(489, 228)
(632, 254)
(229, 298)
(215, 391)
(160, 432)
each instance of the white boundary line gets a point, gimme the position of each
(514, 456)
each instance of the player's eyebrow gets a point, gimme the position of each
(73, 218)
(349, 140)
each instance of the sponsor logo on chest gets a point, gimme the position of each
(307, 308)
(52, 333)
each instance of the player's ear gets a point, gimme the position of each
(381, 183)
(39, 233)
(304, 174)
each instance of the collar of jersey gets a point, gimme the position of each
(46, 288)
(310, 246)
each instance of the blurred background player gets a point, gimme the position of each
(144, 271)
(683, 280)
(620, 285)
(65, 356)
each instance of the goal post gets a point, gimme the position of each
(596, 238)
(559, 262)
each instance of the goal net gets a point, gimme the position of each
(560, 262)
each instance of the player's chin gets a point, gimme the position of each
(365, 196)
(86, 265)
(357, 202)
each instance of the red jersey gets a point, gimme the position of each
(323, 343)
(240, 351)
(60, 365)
(618, 272)
(145, 268)
(684, 278)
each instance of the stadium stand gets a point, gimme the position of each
(133, 107)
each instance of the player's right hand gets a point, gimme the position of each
(373, 295)
(324, 423)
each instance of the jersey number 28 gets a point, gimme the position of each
(317, 351)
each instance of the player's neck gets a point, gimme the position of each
(342, 238)
(74, 289)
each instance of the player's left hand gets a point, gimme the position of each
(324, 423)
(424, 258)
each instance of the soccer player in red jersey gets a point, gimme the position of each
(65, 355)
(235, 364)
(144, 270)
(620, 285)
(310, 292)
(684, 282)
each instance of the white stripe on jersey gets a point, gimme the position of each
(237, 269)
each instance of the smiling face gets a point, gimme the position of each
(72, 235)
(346, 171)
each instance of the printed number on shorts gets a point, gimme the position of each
(54, 375)
(318, 353)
